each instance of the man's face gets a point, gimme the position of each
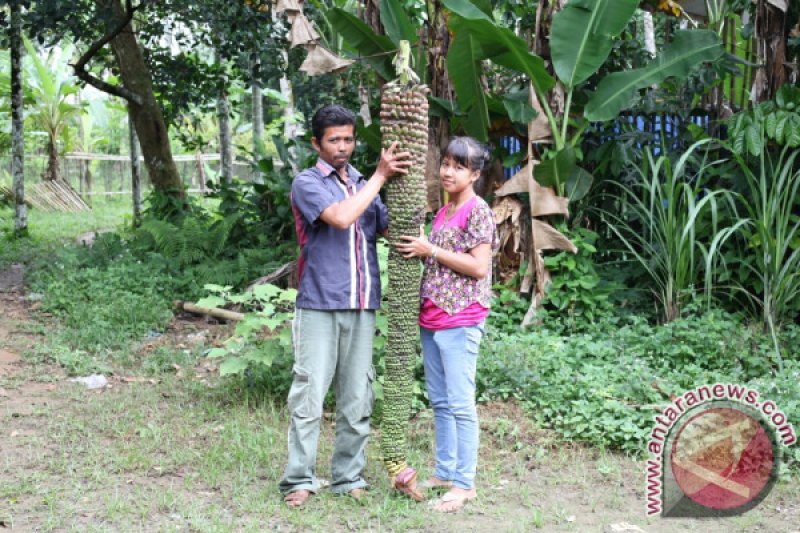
(336, 146)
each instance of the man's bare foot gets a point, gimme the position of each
(406, 483)
(454, 500)
(297, 498)
(357, 494)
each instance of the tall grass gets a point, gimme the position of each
(772, 233)
(670, 223)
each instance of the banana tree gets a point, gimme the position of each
(51, 86)
(581, 38)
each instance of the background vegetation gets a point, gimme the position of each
(684, 204)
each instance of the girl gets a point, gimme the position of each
(455, 297)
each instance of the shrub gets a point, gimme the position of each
(605, 387)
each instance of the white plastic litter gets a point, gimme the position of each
(95, 381)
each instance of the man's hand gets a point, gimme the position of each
(392, 163)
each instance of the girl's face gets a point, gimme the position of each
(455, 177)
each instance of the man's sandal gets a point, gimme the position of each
(297, 498)
(405, 482)
(452, 502)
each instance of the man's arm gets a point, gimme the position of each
(342, 215)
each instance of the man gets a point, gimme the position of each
(338, 216)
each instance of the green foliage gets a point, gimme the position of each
(261, 213)
(583, 35)
(478, 37)
(775, 120)
(200, 250)
(396, 22)
(687, 49)
(576, 290)
(170, 205)
(670, 223)
(104, 301)
(263, 335)
(249, 234)
(358, 36)
(51, 86)
(771, 234)
(605, 386)
(508, 309)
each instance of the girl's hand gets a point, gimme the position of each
(414, 246)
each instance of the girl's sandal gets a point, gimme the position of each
(405, 482)
(451, 503)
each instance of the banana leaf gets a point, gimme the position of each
(554, 172)
(470, 10)
(583, 34)
(465, 69)
(578, 184)
(502, 46)
(364, 41)
(617, 91)
(396, 22)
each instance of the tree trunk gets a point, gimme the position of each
(372, 16)
(136, 171)
(151, 128)
(201, 170)
(771, 35)
(52, 173)
(88, 179)
(289, 125)
(225, 148)
(17, 139)
(438, 42)
(258, 112)
(83, 148)
(224, 123)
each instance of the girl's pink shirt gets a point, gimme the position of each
(450, 299)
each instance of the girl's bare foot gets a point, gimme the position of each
(454, 500)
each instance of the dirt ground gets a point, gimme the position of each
(532, 482)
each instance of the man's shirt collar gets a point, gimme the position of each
(326, 169)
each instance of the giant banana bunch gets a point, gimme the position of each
(404, 119)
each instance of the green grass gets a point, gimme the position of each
(47, 231)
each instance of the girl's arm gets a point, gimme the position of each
(474, 263)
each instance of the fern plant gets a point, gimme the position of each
(188, 242)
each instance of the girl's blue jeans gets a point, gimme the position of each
(450, 357)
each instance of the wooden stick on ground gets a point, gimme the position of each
(210, 311)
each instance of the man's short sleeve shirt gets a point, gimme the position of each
(338, 268)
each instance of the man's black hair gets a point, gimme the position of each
(331, 115)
